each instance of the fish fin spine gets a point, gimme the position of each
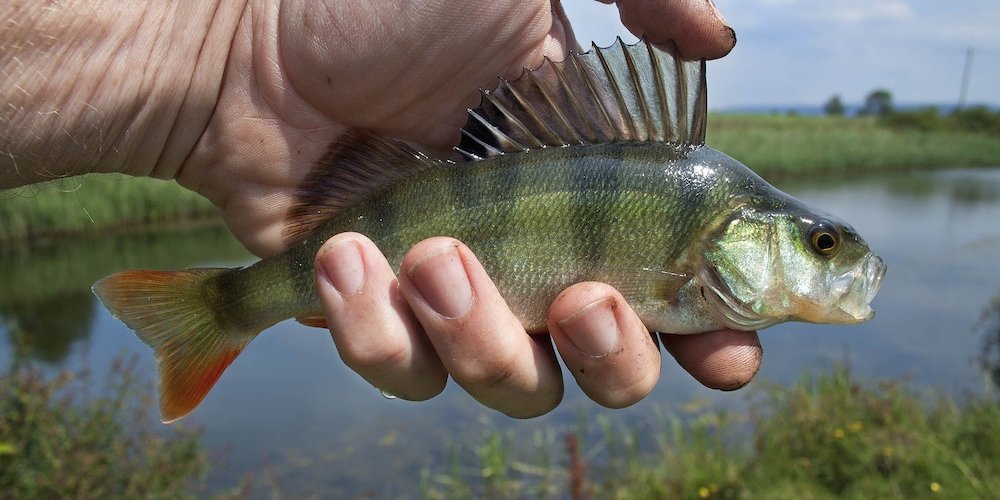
(176, 313)
(620, 93)
(357, 165)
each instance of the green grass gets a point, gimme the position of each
(96, 204)
(797, 145)
(826, 437)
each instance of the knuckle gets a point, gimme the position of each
(488, 372)
(625, 396)
(366, 358)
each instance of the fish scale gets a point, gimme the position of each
(589, 169)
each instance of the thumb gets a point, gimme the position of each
(696, 26)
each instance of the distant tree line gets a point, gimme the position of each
(879, 104)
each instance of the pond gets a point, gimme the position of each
(289, 406)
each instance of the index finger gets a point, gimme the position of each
(696, 26)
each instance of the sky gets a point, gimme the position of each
(801, 52)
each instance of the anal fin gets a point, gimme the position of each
(313, 321)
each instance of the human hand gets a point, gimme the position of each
(300, 73)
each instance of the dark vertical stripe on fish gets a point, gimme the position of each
(386, 218)
(463, 188)
(691, 190)
(596, 190)
(499, 191)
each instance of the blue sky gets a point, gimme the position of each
(800, 52)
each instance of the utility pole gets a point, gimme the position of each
(965, 78)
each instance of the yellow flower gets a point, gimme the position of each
(838, 433)
(855, 426)
(935, 487)
(704, 492)
(887, 451)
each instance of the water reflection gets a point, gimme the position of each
(47, 326)
(46, 289)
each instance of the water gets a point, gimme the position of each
(288, 405)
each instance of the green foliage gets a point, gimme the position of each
(58, 440)
(789, 146)
(975, 120)
(834, 106)
(95, 203)
(825, 437)
(840, 439)
(877, 103)
(925, 120)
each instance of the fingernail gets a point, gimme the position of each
(343, 267)
(593, 329)
(441, 280)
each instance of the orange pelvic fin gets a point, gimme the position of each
(170, 312)
(313, 321)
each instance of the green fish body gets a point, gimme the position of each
(589, 169)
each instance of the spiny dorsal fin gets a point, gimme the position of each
(357, 165)
(621, 93)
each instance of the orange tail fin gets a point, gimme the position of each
(170, 312)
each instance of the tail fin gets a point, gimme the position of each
(172, 313)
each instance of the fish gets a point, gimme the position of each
(593, 168)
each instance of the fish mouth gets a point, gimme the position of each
(848, 299)
(853, 291)
(729, 310)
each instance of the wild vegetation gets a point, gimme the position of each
(61, 439)
(829, 436)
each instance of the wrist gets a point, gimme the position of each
(98, 86)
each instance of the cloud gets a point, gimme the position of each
(857, 11)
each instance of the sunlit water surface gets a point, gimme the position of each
(289, 406)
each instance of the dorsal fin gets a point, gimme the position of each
(357, 165)
(621, 93)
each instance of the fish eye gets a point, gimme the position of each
(825, 238)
